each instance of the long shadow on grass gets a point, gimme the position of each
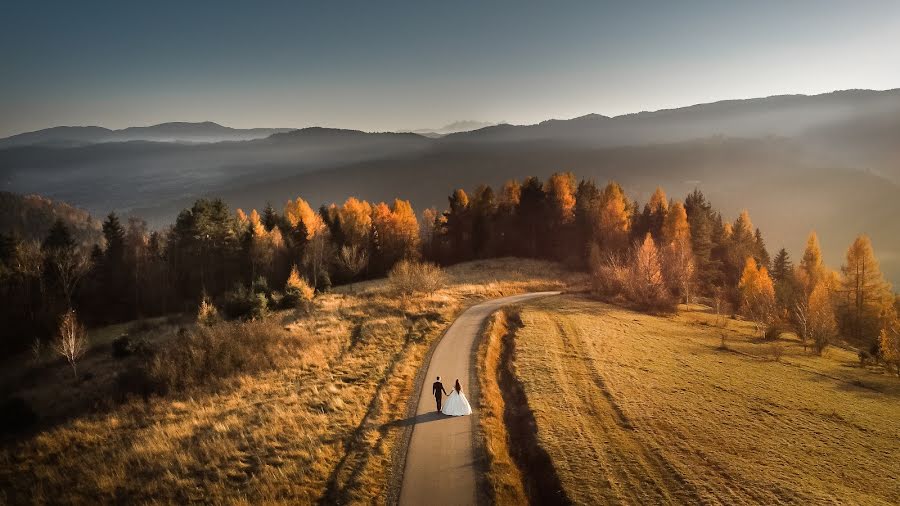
(539, 477)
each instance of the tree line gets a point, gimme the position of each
(650, 256)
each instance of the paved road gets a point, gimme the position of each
(440, 459)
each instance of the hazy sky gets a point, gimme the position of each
(385, 65)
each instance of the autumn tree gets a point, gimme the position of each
(310, 228)
(396, 233)
(821, 326)
(430, 226)
(297, 289)
(71, 339)
(653, 217)
(812, 269)
(866, 300)
(353, 259)
(355, 217)
(356, 222)
(645, 285)
(458, 227)
(741, 243)
(612, 223)
(889, 343)
(558, 242)
(757, 294)
(678, 264)
(260, 246)
(560, 190)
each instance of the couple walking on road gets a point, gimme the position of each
(456, 405)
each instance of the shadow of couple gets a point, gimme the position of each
(431, 416)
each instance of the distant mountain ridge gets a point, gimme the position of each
(455, 127)
(829, 162)
(779, 115)
(178, 131)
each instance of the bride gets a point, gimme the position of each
(457, 404)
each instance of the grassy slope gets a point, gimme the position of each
(641, 409)
(318, 427)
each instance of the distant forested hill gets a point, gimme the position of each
(29, 218)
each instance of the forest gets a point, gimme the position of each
(245, 264)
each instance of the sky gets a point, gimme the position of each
(384, 65)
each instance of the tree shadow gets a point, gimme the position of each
(416, 420)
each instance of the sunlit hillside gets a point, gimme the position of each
(296, 408)
(690, 408)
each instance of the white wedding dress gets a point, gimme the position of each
(456, 404)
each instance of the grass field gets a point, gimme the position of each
(642, 409)
(316, 426)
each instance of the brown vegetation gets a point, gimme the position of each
(408, 277)
(503, 475)
(299, 407)
(642, 409)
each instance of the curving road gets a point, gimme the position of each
(440, 459)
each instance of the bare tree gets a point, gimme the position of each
(70, 268)
(316, 255)
(354, 259)
(71, 342)
(718, 300)
(678, 267)
(801, 316)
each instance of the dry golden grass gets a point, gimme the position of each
(316, 427)
(503, 476)
(641, 409)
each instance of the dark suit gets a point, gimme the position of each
(436, 389)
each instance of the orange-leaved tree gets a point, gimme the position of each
(865, 300)
(757, 294)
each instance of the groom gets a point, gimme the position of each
(436, 389)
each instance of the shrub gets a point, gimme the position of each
(773, 331)
(609, 272)
(209, 354)
(242, 303)
(297, 291)
(864, 357)
(776, 349)
(408, 277)
(261, 285)
(638, 278)
(16, 415)
(207, 314)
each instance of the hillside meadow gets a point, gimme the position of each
(311, 421)
(690, 408)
